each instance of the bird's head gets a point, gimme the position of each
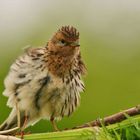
(65, 41)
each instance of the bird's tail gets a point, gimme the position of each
(12, 121)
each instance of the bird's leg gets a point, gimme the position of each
(25, 120)
(24, 125)
(54, 124)
(18, 115)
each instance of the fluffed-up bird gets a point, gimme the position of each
(45, 82)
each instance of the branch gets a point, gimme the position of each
(2, 137)
(83, 133)
(88, 133)
(118, 117)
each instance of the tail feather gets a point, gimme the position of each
(11, 121)
(8, 125)
(3, 126)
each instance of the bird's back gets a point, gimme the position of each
(22, 80)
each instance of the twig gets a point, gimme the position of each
(2, 137)
(9, 131)
(89, 133)
(118, 117)
(83, 133)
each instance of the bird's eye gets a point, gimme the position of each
(63, 41)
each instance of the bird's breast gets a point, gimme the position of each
(60, 97)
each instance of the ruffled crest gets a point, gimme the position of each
(69, 32)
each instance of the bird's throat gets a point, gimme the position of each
(60, 65)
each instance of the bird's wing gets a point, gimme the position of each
(26, 68)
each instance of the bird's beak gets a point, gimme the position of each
(75, 44)
(78, 45)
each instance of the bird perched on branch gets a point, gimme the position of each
(45, 82)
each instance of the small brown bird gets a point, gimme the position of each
(45, 82)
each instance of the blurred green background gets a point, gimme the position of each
(110, 45)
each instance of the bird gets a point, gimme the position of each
(45, 82)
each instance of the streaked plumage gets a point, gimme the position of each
(46, 81)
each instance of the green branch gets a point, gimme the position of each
(122, 124)
(88, 133)
(82, 134)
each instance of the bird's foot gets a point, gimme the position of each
(55, 128)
